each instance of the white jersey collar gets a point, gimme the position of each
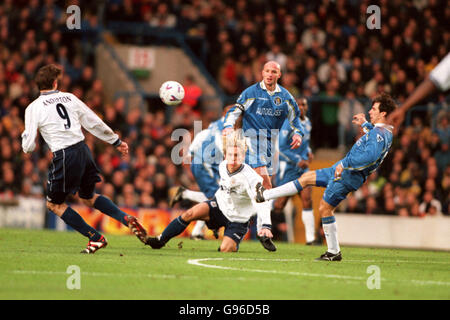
(263, 86)
(385, 126)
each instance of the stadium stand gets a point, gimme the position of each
(333, 60)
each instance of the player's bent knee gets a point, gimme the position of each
(58, 209)
(325, 209)
(307, 203)
(188, 216)
(228, 245)
(90, 202)
(228, 248)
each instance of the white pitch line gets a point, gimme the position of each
(198, 262)
(335, 276)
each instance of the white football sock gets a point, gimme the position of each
(308, 221)
(287, 189)
(195, 196)
(198, 228)
(289, 216)
(330, 230)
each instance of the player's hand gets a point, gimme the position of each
(123, 148)
(265, 232)
(303, 164)
(296, 141)
(227, 131)
(338, 171)
(359, 119)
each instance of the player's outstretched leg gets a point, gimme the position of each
(178, 225)
(287, 189)
(137, 228)
(108, 207)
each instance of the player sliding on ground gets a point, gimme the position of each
(59, 117)
(346, 175)
(232, 206)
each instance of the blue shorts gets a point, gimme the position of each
(217, 219)
(336, 189)
(259, 153)
(288, 172)
(208, 184)
(72, 170)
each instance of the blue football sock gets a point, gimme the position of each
(174, 228)
(109, 208)
(73, 219)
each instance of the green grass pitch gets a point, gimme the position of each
(34, 264)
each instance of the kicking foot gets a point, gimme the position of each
(176, 195)
(259, 192)
(267, 243)
(93, 246)
(137, 228)
(154, 242)
(328, 256)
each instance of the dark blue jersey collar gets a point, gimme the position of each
(49, 92)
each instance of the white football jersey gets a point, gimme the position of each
(59, 117)
(236, 194)
(440, 75)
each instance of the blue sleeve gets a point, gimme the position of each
(369, 154)
(246, 94)
(367, 126)
(294, 116)
(242, 103)
(232, 115)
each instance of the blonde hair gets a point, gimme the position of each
(235, 139)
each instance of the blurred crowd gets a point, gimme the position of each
(31, 37)
(323, 47)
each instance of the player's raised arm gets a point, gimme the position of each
(30, 132)
(439, 78)
(230, 118)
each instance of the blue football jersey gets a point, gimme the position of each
(367, 153)
(265, 111)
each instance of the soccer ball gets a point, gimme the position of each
(171, 93)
